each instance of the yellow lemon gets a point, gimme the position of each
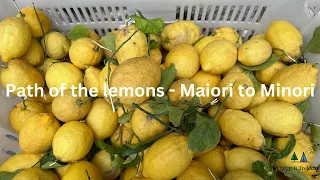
(204, 42)
(240, 158)
(218, 57)
(185, 59)
(83, 52)
(283, 35)
(16, 37)
(239, 99)
(215, 161)
(235, 68)
(241, 175)
(22, 111)
(196, 170)
(101, 119)
(45, 99)
(103, 162)
(156, 55)
(144, 126)
(36, 174)
(37, 134)
(91, 80)
(227, 33)
(167, 158)
(61, 171)
(265, 76)
(257, 100)
(103, 76)
(56, 45)
(33, 18)
(67, 107)
(82, 170)
(127, 134)
(72, 141)
(129, 173)
(34, 54)
(21, 160)
(241, 129)
(46, 64)
(212, 110)
(283, 115)
(176, 93)
(258, 36)
(254, 52)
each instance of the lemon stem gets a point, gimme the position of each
(102, 47)
(294, 60)
(15, 4)
(222, 103)
(87, 67)
(315, 65)
(24, 106)
(194, 43)
(120, 134)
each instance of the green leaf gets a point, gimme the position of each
(93, 151)
(303, 106)
(167, 77)
(159, 108)
(205, 135)
(134, 162)
(117, 161)
(9, 175)
(107, 147)
(148, 26)
(270, 61)
(125, 117)
(162, 98)
(256, 83)
(79, 31)
(315, 132)
(264, 170)
(314, 44)
(294, 174)
(154, 44)
(289, 147)
(175, 114)
(195, 100)
(109, 41)
(49, 161)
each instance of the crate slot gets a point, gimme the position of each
(253, 14)
(230, 13)
(12, 137)
(223, 13)
(9, 152)
(192, 13)
(246, 12)
(261, 13)
(238, 13)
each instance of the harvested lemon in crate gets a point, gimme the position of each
(157, 99)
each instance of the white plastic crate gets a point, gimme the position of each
(247, 16)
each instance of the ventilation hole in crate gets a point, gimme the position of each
(95, 11)
(223, 13)
(63, 21)
(103, 14)
(74, 15)
(253, 14)
(119, 13)
(210, 31)
(125, 11)
(208, 13)
(230, 13)
(238, 13)
(9, 152)
(53, 18)
(251, 34)
(193, 11)
(261, 14)
(89, 14)
(245, 13)
(200, 13)
(203, 31)
(215, 14)
(82, 15)
(103, 32)
(178, 12)
(10, 136)
(109, 30)
(185, 12)
(67, 15)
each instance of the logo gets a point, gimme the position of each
(303, 158)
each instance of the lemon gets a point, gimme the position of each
(284, 36)
(196, 170)
(45, 99)
(46, 64)
(204, 80)
(295, 76)
(93, 35)
(215, 161)
(241, 175)
(101, 119)
(185, 59)
(137, 46)
(34, 54)
(61, 171)
(204, 42)
(127, 134)
(227, 33)
(225, 143)
(254, 52)
(103, 162)
(235, 68)
(37, 134)
(265, 76)
(82, 170)
(16, 37)
(103, 76)
(56, 45)
(236, 80)
(179, 33)
(167, 158)
(257, 100)
(134, 73)
(156, 55)
(214, 109)
(91, 80)
(240, 158)
(144, 126)
(72, 141)
(63, 73)
(22, 111)
(218, 57)
(36, 174)
(304, 145)
(258, 36)
(33, 17)
(283, 115)
(21, 160)
(21, 74)
(241, 129)
(129, 173)
(176, 94)
(83, 52)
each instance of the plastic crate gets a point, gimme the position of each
(247, 16)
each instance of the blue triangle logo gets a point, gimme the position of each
(303, 158)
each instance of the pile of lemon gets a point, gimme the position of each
(69, 125)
